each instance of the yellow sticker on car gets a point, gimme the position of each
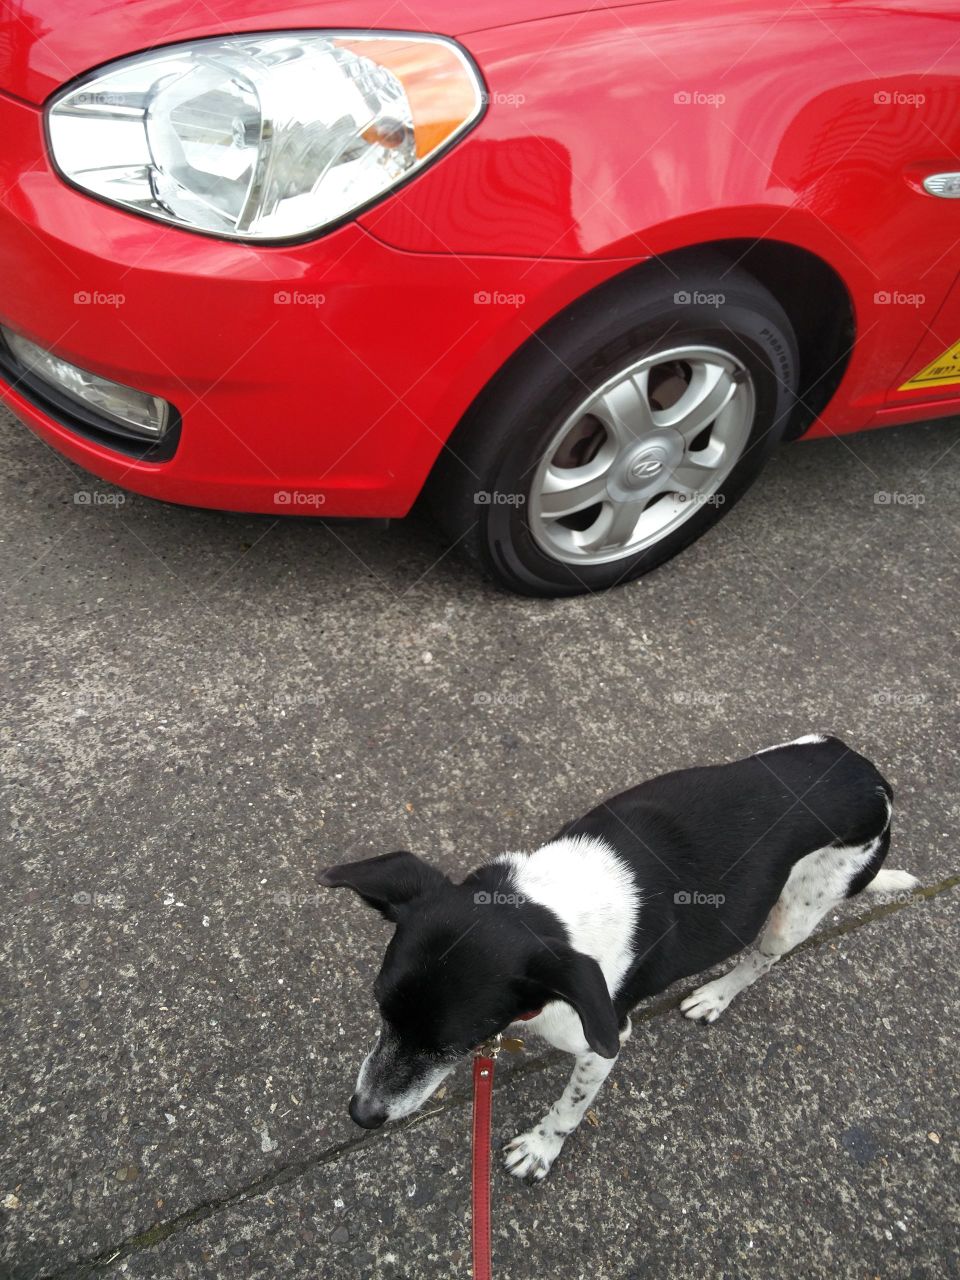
(944, 369)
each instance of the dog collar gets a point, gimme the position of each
(491, 1047)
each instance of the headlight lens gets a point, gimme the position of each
(264, 137)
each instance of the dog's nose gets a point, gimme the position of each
(366, 1114)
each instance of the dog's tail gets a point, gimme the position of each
(891, 882)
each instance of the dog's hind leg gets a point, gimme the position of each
(818, 883)
(531, 1155)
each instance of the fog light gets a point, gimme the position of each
(141, 415)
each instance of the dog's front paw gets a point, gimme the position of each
(708, 1002)
(530, 1155)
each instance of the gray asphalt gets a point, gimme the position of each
(203, 709)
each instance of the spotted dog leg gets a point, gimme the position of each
(531, 1155)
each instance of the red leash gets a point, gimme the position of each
(483, 1068)
(484, 1063)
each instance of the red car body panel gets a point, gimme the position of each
(609, 136)
(798, 151)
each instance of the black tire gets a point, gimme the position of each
(497, 447)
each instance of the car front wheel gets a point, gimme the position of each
(618, 436)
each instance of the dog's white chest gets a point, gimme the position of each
(586, 885)
(560, 1027)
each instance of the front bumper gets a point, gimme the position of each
(336, 368)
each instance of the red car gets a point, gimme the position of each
(571, 271)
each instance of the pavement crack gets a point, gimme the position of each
(297, 1169)
(250, 1190)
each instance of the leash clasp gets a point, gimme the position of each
(489, 1048)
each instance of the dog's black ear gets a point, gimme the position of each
(386, 882)
(577, 978)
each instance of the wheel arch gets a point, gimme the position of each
(822, 316)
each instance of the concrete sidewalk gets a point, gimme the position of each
(206, 708)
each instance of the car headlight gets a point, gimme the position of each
(263, 137)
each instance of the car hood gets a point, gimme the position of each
(45, 43)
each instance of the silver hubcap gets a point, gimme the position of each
(641, 454)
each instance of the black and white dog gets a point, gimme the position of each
(654, 885)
